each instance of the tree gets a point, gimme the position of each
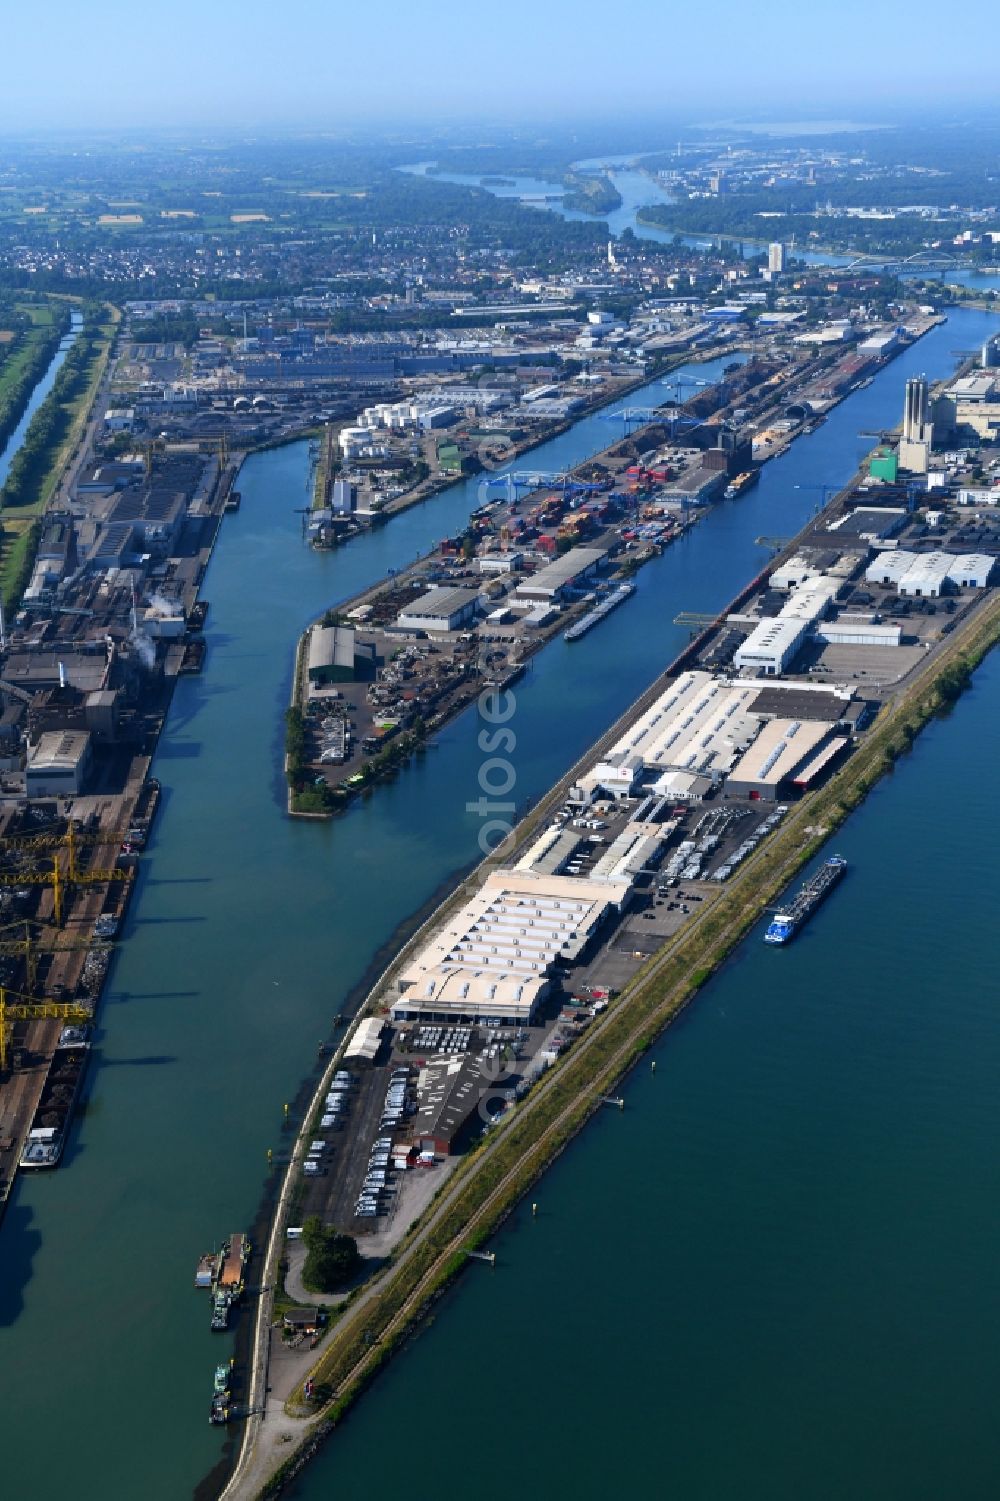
(331, 1258)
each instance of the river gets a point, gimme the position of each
(39, 394)
(249, 930)
(639, 190)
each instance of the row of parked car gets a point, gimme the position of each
(335, 1108)
(374, 1197)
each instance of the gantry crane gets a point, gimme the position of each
(58, 878)
(31, 950)
(25, 1008)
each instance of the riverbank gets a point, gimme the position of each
(25, 364)
(59, 433)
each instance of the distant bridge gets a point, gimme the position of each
(920, 260)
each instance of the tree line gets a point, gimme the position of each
(40, 345)
(51, 422)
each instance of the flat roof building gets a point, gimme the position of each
(784, 748)
(58, 764)
(562, 575)
(492, 961)
(439, 610)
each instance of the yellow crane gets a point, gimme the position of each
(25, 1008)
(58, 878)
(30, 949)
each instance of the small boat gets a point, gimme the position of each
(222, 1375)
(208, 1266)
(220, 1313)
(219, 1411)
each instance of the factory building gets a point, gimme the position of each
(336, 656)
(773, 644)
(928, 575)
(440, 610)
(914, 449)
(494, 958)
(692, 738)
(58, 764)
(688, 740)
(561, 576)
(788, 753)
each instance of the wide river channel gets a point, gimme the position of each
(772, 1276)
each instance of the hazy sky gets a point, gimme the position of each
(295, 62)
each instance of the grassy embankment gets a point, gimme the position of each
(53, 434)
(504, 1166)
(25, 355)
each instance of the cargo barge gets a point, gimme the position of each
(193, 659)
(46, 1139)
(741, 482)
(588, 621)
(784, 925)
(222, 1395)
(225, 1273)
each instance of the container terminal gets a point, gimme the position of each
(551, 555)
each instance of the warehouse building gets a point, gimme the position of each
(366, 1040)
(773, 644)
(927, 575)
(688, 739)
(449, 1092)
(870, 523)
(493, 960)
(787, 753)
(561, 576)
(440, 610)
(58, 764)
(336, 656)
(857, 630)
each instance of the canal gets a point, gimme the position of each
(247, 934)
(39, 394)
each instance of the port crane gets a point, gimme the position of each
(628, 416)
(15, 1007)
(58, 878)
(31, 950)
(521, 479)
(824, 491)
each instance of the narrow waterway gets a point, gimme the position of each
(247, 934)
(38, 395)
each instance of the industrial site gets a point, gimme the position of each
(770, 698)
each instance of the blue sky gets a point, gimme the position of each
(304, 62)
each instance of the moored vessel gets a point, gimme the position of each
(786, 923)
